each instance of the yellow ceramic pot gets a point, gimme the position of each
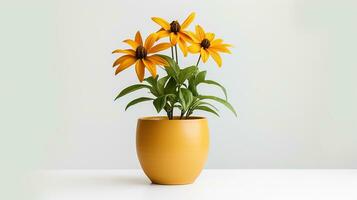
(172, 151)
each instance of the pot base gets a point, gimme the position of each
(176, 183)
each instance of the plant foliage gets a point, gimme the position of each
(178, 89)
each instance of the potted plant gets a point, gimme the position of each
(173, 149)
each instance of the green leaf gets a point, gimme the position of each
(194, 80)
(153, 82)
(160, 102)
(170, 87)
(138, 100)
(186, 98)
(171, 98)
(217, 84)
(130, 89)
(222, 101)
(171, 73)
(192, 86)
(161, 84)
(205, 103)
(181, 99)
(195, 102)
(172, 62)
(173, 69)
(200, 77)
(207, 109)
(186, 73)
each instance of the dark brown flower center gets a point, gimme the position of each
(205, 43)
(175, 27)
(140, 52)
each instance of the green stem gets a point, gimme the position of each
(167, 113)
(188, 114)
(182, 114)
(172, 52)
(198, 61)
(172, 108)
(176, 53)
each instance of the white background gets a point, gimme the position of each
(291, 77)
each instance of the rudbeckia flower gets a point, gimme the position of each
(175, 31)
(207, 45)
(139, 55)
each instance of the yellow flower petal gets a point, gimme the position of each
(227, 45)
(185, 36)
(121, 59)
(194, 48)
(163, 23)
(127, 51)
(220, 48)
(204, 55)
(155, 59)
(125, 64)
(150, 40)
(209, 36)
(140, 70)
(159, 47)
(216, 57)
(150, 66)
(138, 38)
(132, 43)
(217, 41)
(173, 38)
(188, 21)
(162, 34)
(183, 47)
(200, 32)
(193, 37)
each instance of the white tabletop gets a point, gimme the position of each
(212, 184)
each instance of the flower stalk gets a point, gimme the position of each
(172, 52)
(198, 61)
(176, 54)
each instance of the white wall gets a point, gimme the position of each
(291, 77)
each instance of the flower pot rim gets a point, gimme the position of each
(176, 118)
